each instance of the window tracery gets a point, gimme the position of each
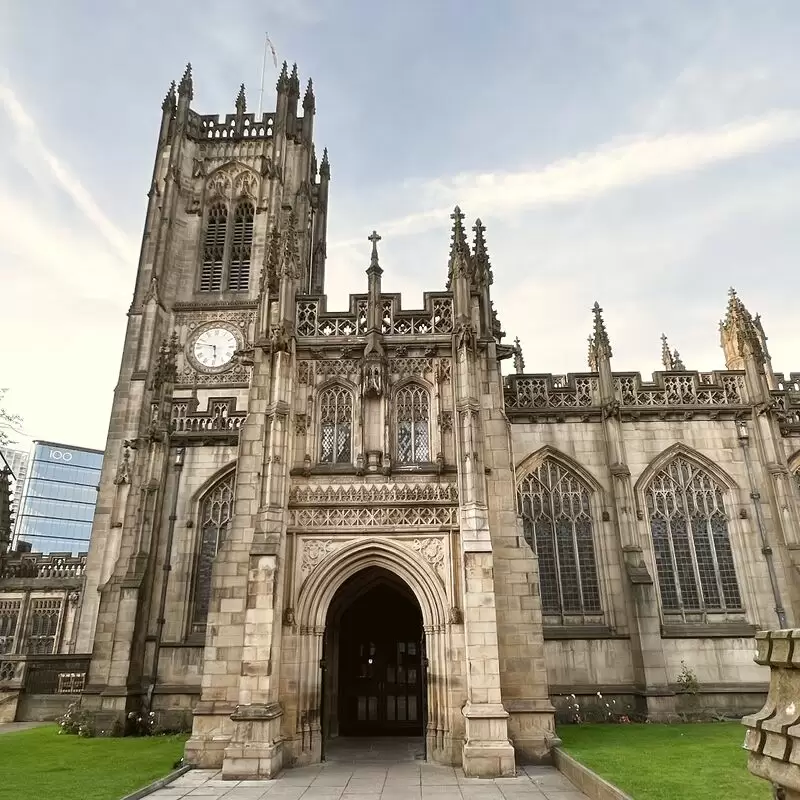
(412, 415)
(216, 513)
(691, 543)
(241, 246)
(214, 248)
(227, 246)
(557, 520)
(336, 425)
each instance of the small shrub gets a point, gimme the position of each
(687, 680)
(76, 722)
(597, 710)
(142, 724)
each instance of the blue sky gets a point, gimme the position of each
(643, 154)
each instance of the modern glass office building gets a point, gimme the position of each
(57, 507)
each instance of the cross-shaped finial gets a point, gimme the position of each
(374, 238)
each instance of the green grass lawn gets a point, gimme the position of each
(38, 764)
(703, 761)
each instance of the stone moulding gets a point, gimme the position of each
(314, 550)
(589, 782)
(721, 394)
(773, 734)
(428, 516)
(436, 317)
(392, 493)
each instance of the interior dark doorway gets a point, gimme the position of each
(375, 636)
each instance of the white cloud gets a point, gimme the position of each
(41, 155)
(619, 164)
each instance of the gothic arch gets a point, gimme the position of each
(686, 500)
(331, 418)
(560, 504)
(231, 181)
(793, 463)
(221, 473)
(411, 422)
(401, 383)
(336, 380)
(321, 586)
(679, 449)
(535, 459)
(214, 509)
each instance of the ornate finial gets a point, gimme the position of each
(272, 257)
(308, 99)
(666, 356)
(373, 261)
(186, 87)
(592, 357)
(290, 247)
(602, 346)
(241, 101)
(325, 167)
(519, 361)
(169, 100)
(677, 364)
(497, 326)
(294, 82)
(484, 268)
(739, 328)
(459, 241)
(460, 255)
(283, 79)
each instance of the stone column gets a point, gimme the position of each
(773, 734)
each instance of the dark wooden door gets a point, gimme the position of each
(380, 679)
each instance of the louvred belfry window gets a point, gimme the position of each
(557, 519)
(227, 247)
(692, 547)
(214, 248)
(413, 430)
(241, 246)
(216, 512)
(336, 425)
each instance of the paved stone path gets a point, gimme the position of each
(374, 780)
(13, 727)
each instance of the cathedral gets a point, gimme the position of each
(315, 524)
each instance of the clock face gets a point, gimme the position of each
(214, 348)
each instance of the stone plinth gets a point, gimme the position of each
(773, 735)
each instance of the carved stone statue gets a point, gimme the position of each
(373, 382)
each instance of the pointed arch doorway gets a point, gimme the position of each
(375, 673)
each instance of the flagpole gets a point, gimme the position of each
(263, 72)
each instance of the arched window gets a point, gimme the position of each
(241, 245)
(336, 425)
(692, 547)
(216, 512)
(227, 246)
(413, 432)
(557, 521)
(214, 248)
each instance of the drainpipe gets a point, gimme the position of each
(755, 496)
(180, 454)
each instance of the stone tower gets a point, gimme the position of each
(307, 523)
